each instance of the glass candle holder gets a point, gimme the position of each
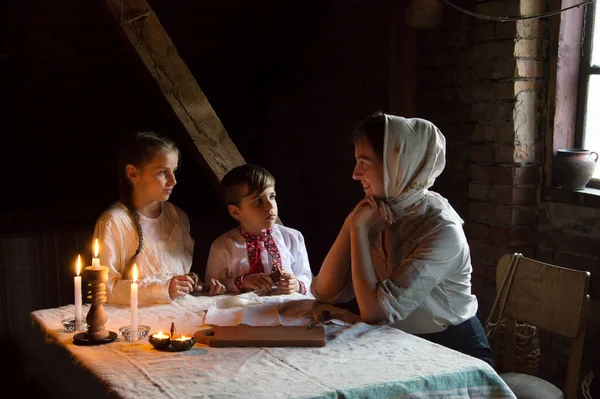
(70, 325)
(127, 333)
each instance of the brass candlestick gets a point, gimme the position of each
(96, 317)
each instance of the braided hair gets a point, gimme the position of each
(138, 150)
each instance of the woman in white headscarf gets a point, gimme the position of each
(402, 252)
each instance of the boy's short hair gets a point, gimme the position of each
(255, 177)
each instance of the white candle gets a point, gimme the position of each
(95, 259)
(134, 304)
(78, 298)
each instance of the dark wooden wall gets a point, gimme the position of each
(37, 275)
(289, 84)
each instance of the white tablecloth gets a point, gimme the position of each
(360, 361)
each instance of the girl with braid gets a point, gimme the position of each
(145, 229)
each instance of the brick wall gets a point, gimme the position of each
(445, 97)
(500, 76)
(505, 144)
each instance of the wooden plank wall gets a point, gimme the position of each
(36, 272)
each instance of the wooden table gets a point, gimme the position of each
(358, 361)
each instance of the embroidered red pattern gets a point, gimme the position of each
(254, 244)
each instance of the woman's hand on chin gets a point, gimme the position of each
(371, 215)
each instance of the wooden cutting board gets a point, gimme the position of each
(255, 336)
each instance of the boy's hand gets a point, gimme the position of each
(180, 286)
(259, 282)
(215, 287)
(288, 284)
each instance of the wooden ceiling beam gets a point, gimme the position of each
(141, 26)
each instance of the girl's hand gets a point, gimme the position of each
(288, 284)
(215, 287)
(259, 282)
(372, 215)
(180, 286)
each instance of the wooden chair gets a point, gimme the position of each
(554, 299)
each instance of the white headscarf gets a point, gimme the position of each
(414, 155)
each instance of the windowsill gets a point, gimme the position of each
(589, 197)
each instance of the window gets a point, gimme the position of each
(588, 118)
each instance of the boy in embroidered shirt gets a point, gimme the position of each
(259, 254)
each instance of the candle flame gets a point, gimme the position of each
(78, 264)
(96, 248)
(160, 334)
(135, 272)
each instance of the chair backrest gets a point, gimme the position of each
(552, 298)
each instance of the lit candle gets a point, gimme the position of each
(160, 335)
(134, 304)
(95, 259)
(160, 340)
(78, 298)
(183, 343)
